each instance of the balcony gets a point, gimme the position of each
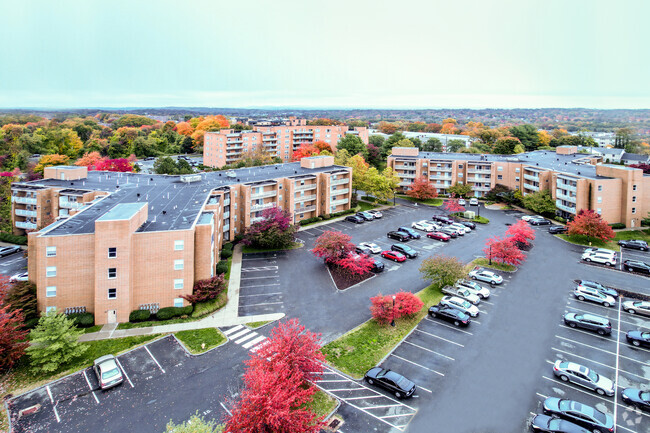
(437, 177)
(406, 175)
(478, 179)
(531, 177)
(258, 207)
(66, 204)
(480, 188)
(26, 225)
(566, 186)
(561, 196)
(270, 139)
(226, 202)
(404, 183)
(226, 227)
(559, 205)
(481, 170)
(23, 200)
(306, 187)
(305, 209)
(226, 215)
(339, 191)
(531, 187)
(404, 167)
(344, 181)
(338, 202)
(264, 194)
(26, 213)
(299, 198)
(445, 168)
(256, 220)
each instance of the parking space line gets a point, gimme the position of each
(56, 414)
(259, 278)
(435, 336)
(425, 389)
(589, 312)
(415, 363)
(483, 301)
(246, 337)
(261, 294)
(266, 303)
(124, 371)
(429, 350)
(225, 408)
(260, 269)
(263, 285)
(368, 396)
(603, 350)
(392, 416)
(346, 389)
(155, 360)
(383, 406)
(542, 395)
(332, 380)
(586, 333)
(90, 387)
(47, 387)
(447, 326)
(618, 345)
(559, 381)
(235, 329)
(625, 428)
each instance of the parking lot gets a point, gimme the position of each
(13, 264)
(260, 291)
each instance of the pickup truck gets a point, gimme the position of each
(462, 292)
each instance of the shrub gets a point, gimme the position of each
(405, 304)
(228, 246)
(13, 239)
(343, 212)
(560, 219)
(187, 310)
(139, 315)
(222, 267)
(82, 320)
(617, 226)
(238, 238)
(326, 216)
(207, 289)
(226, 254)
(168, 313)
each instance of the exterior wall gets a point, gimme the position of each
(566, 150)
(65, 172)
(317, 161)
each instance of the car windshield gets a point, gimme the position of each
(554, 424)
(109, 374)
(645, 334)
(465, 304)
(645, 395)
(593, 376)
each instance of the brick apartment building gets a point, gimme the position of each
(576, 181)
(110, 243)
(227, 146)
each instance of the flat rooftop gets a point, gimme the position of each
(122, 212)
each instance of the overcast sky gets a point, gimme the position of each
(325, 54)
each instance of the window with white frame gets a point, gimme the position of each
(633, 210)
(499, 168)
(112, 293)
(517, 170)
(50, 310)
(50, 252)
(112, 252)
(516, 179)
(112, 272)
(179, 264)
(50, 271)
(178, 283)
(50, 291)
(599, 211)
(179, 245)
(600, 199)
(178, 302)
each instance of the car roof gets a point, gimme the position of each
(595, 318)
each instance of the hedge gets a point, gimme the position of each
(139, 315)
(13, 239)
(222, 267)
(226, 254)
(345, 212)
(228, 246)
(82, 320)
(171, 312)
(617, 226)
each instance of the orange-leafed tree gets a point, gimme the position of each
(322, 145)
(184, 128)
(90, 160)
(51, 160)
(588, 223)
(422, 189)
(212, 123)
(388, 127)
(305, 150)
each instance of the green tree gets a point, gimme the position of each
(518, 149)
(354, 145)
(460, 189)
(455, 145)
(432, 145)
(183, 167)
(442, 270)
(540, 202)
(391, 142)
(342, 157)
(405, 142)
(506, 145)
(527, 135)
(196, 424)
(377, 140)
(623, 137)
(54, 343)
(359, 171)
(165, 165)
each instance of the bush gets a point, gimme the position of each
(226, 254)
(82, 320)
(207, 289)
(13, 239)
(228, 246)
(617, 226)
(343, 212)
(238, 238)
(222, 267)
(187, 310)
(560, 219)
(326, 216)
(310, 220)
(139, 316)
(169, 313)
(384, 308)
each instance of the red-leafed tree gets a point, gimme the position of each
(273, 231)
(521, 233)
(118, 164)
(407, 304)
(323, 145)
(589, 223)
(384, 309)
(422, 189)
(356, 264)
(503, 250)
(12, 337)
(642, 166)
(451, 205)
(90, 160)
(205, 290)
(305, 150)
(333, 246)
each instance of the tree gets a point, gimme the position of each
(322, 146)
(184, 128)
(205, 290)
(12, 337)
(353, 144)
(384, 309)
(304, 151)
(503, 250)
(359, 171)
(333, 246)
(387, 127)
(432, 145)
(644, 167)
(521, 233)
(460, 189)
(196, 424)
(442, 270)
(21, 295)
(90, 160)
(589, 223)
(506, 145)
(342, 157)
(165, 165)
(273, 231)
(118, 165)
(356, 264)
(50, 161)
(623, 138)
(405, 142)
(422, 189)
(54, 343)
(452, 206)
(540, 202)
(527, 135)
(374, 155)
(455, 145)
(391, 142)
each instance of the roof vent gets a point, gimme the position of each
(537, 163)
(117, 186)
(138, 194)
(71, 183)
(151, 178)
(578, 172)
(164, 212)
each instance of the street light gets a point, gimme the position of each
(394, 197)
(392, 322)
(490, 255)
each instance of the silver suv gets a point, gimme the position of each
(460, 304)
(108, 372)
(588, 294)
(583, 376)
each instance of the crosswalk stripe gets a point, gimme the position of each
(239, 334)
(246, 337)
(254, 342)
(231, 330)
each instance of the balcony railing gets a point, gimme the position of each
(531, 187)
(559, 195)
(226, 215)
(478, 179)
(26, 213)
(256, 220)
(559, 205)
(404, 167)
(434, 168)
(406, 175)
(257, 207)
(340, 181)
(23, 200)
(299, 198)
(436, 177)
(338, 202)
(481, 188)
(531, 177)
(264, 194)
(339, 191)
(566, 186)
(306, 187)
(69, 204)
(226, 202)
(226, 227)
(26, 225)
(477, 170)
(305, 209)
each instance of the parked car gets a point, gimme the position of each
(450, 227)
(583, 376)
(588, 294)
(365, 215)
(108, 372)
(355, 219)
(439, 236)
(551, 424)
(589, 321)
(473, 201)
(539, 222)
(476, 288)
(22, 276)
(450, 314)
(638, 338)
(637, 307)
(375, 213)
(461, 227)
(391, 381)
(484, 275)
(605, 259)
(361, 250)
(600, 250)
(423, 225)
(469, 224)
(529, 217)
(5, 251)
(636, 266)
(461, 202)
(393, 255)
(412, 233)
(377, 266)
(400, 236)
(442, 219)
(579, 413)
(372, 247)
(460, 304)
(404, 249)
(634, 243)
(636, 397)
(461, 292)
(450, 232)
(595, 285)
(557, 229)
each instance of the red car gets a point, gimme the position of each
(439, 235)
(393, 255)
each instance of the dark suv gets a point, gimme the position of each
(589, 321)
(354, 219)
(404, 249)
(400, 236)
(636, 266)
(634, 243)
(377, 266)
(412, 233)
(442, 219)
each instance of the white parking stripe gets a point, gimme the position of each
(366, 396)
(124, 371)
(254, 342)
(435, 336)
(424, 389)
(260, 268)
(240, 333)
(90, 387)
(603, 350)
(49, 393)
(264, 303)
(415, 363)
(455, 328)
(263, 285)
(618, 345)
(574, 309)
(569, 385)
(155, 360)
(261, 294)
(235, 329)
(246, 337)
(593, 334)
(429, 350)
(258, 278)
(332, 380)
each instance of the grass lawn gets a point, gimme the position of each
(322, 404)
(246, 249)
(95, 328)
(584, 240)
(255, 325)
(643, 235)
(478, 219)
(364, 206)
(363, 347)
(194, 338)
(430, 202)
(483, 262)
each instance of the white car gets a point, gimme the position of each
(637, 307)
(473, 201)
(603, 258)
(461, 202)
(375, 213)
(460, 304)
(461, 227)
(600, 250)
(374, 248)
(423, 225)
(487, 276)
(474, 287)
(589, 294)
(20, 277)
(583, 376)
(529, 217)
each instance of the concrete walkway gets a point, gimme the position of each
(227, 316)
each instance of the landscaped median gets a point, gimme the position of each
(484, 263)
(586, 241)
(363, 347)
(429, 202)
(198, 341)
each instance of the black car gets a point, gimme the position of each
(449, 231)
(557, 229)
(469, 224)
(638, 338)
(449, 314)
(589, 321)
(361, 250)
(539, 222)
(377, 266)
(400, 236)
(581, 414)
(404, 249)
(391, 381)
(636, 397)
(634, 243)
(366, 216)
(354, 219)
(552, 424)
(5, 251)
(636, 266)
(442, 219)
(412, 233)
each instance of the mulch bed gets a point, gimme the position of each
(343, 279)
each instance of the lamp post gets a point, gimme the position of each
(490, 255)
(392, 322)
(394, 197)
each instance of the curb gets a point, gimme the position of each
(180, 343)
(381, 361)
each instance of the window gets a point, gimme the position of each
(599, 211)
(600, 199)
(112, 252)
(517, 170)
(50, 271)
(516, 179)
(179, 245)
(460, 174)
(499, 177)
(178, 302)
(460, 165)
(112, 293)
(600, 188)
(633, 210)
(50, 252)
(633, 199)
(499, 168)
(178, 265)
(50, 310)
(634, 187)
(112, 272)
(50, 291)
(178, 284)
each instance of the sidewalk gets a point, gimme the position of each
(227, 316)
